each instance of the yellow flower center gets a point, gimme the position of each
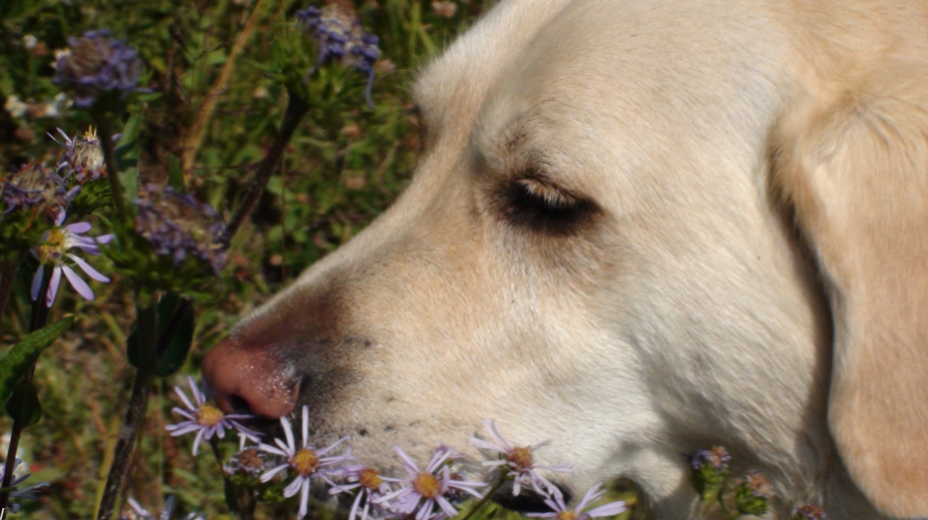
(369, 478)
(56, 243)
(567, 515)
(427, 485)
(521, 457)
(305, 461)
(209, 415)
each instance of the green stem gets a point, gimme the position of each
(105, 134)
(7, 273)
(486, 498)
(135, 413)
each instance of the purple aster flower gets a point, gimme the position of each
(711, 469)
(424, 490)
(29, 492)
(178, 224)
(204, 418)
(35, 188)
(54, 251)
(340, 38)
(307, 462)
(717, 458)
(369, 486)
(561, 512)
(137, 512)
(519, 462)
(97, 64)
(83, 156)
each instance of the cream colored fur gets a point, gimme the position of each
(754, 273)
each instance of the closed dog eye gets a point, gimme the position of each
(535, 203)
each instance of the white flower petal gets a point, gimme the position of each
(269, 474)
(295, 486)
(87, 268)
(37, 282)
(78, 227)
(78, 283)
(53, 286)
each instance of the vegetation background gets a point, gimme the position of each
(212, 111)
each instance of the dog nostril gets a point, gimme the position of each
(247, 378)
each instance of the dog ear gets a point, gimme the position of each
(853, 165)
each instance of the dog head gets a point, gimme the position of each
(640, 228)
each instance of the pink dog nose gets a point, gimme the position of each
(240, 375)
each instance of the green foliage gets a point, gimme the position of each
(345, 165)
(180, 328)
(21, 357)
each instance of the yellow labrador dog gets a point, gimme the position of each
(642, 227)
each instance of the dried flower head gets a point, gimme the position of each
(340, 38)
(205, 418)
(753, 493)
(95, 65)
(83, 156)
(249, 462)
(177, 225)
(518, 462)
(305, 461)
(36, 189)
(444, 8)
(809, 512)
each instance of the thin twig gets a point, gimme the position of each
(296, 109)
(197, 133)
(486, 498)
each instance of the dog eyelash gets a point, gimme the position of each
(536, 204)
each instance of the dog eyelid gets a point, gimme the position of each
(534, 202)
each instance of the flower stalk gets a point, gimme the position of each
(37, 320)
(105, 134)
(135, 413)
(500, 480)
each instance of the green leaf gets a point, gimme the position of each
(24, 404)
(175, 353)
(15, 363)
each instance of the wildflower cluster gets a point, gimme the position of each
(747, 495)
(35, 204)
(340, 38)
(432, 491)
(177, 225)
(97, 65)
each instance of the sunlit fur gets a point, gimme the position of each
(757, 173)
